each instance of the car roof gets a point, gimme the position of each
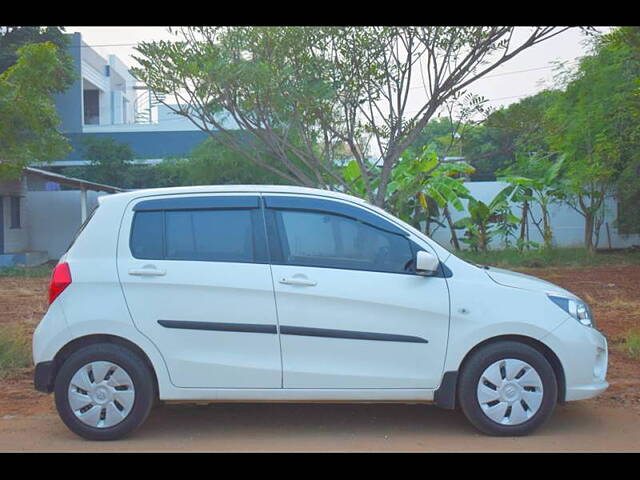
(133, 194)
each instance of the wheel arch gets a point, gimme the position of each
(549, 354)
(447, 395)
(77, 343)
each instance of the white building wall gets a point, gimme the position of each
(566, 223)
(55, 217)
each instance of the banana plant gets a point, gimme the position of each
(540, 184)
(421, 189)
(485, 221)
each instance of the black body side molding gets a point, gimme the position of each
(222, 327)
(349, 334)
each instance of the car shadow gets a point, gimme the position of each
(336, 420)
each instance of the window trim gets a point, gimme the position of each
(334, 207)
(200, 202)
(268, 244)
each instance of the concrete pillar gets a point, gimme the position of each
(83, 204)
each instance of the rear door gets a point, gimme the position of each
(196, 279)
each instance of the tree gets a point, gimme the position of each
(310, 91)
(624, 43)
(209, 163)
(595, 123)
(213, 163)
(485, 221)
(535, 179)
(13, 38)
(423, 187)
(109, 162)
(507, 133)
(28, 117)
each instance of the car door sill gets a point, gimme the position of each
(355, 395)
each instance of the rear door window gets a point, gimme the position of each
(215, 235)
(147, 235)
(172, 232)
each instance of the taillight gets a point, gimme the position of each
(60, 279)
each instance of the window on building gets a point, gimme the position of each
(15, 212)
(91, 107)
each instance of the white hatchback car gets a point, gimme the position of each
(265, 293)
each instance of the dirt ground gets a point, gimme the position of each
(612, 292)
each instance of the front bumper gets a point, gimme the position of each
(582, 392)
(584, 355)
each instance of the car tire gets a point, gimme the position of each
(116, 385)
(507, 388)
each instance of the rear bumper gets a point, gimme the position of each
(43, 377)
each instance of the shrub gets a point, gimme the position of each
(15, 349)
(631, 343)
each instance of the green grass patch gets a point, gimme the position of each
(631, 343)
(15, 349)
(557, 257)
(39, 271)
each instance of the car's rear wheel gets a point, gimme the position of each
(104, 392)
(507, 388)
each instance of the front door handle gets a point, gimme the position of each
(147, 272)
(305, 282)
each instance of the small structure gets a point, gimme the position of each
(40, 212)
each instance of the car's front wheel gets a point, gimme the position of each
(104, 392)
(507, 388)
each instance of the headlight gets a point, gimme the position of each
(576, 308)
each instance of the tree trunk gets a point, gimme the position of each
(546, 229)
(588, 232)
(524, 221)
(454, 237)
(482, 238)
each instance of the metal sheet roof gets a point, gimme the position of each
(71, 181)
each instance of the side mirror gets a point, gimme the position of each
(426, 263)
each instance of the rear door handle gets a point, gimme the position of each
(305, 282)
(147, 272)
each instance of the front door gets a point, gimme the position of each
(352, 312)
(196, 278)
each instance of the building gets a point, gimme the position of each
(40, 212)
(107, 101)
